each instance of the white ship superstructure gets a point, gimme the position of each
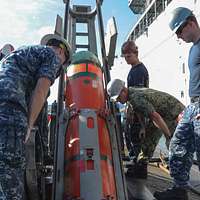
(164, 55)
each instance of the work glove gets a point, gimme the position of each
(28, 133)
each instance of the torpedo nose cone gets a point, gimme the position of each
(85, 56)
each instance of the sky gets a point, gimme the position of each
(24, 22)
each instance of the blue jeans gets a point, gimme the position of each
(185, 141)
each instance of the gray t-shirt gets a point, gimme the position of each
(194, 67)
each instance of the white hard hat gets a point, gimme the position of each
(45, 40)
(178, 17)
(114, 88)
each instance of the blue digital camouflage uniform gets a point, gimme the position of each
(186, 138)
(19, 73)
(146, 101)
(185, 142)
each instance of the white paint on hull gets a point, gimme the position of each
(163, 54)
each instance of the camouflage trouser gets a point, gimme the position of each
(144, 149)
(149, 143)
(12, 156)
(185, 141)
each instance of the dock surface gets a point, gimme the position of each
(159, 180)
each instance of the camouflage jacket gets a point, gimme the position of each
(146, 101)
(20, 71)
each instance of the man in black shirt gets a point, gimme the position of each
(137, 77)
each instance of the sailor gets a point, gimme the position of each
(138, 76)
(186, 139)
(26, 71)
(161, 108)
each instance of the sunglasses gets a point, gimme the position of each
(180, 29)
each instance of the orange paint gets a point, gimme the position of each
(85, 90)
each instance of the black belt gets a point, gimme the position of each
(195, 99)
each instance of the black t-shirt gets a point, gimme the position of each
(138, 76)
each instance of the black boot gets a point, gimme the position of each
(174, 193)
(138, 170)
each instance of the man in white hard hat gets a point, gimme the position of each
(161, 108)
(186, 139)
(25, 78)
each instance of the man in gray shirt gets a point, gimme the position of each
(186, 139)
